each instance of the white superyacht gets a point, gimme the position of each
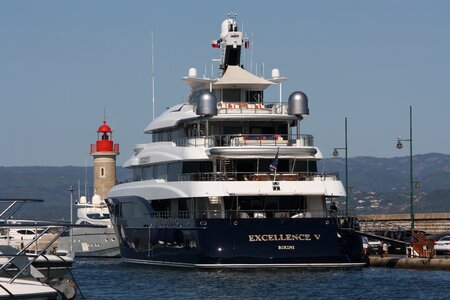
(228, 180)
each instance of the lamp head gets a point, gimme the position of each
(399, 143)
(335, 152)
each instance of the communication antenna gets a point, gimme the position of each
(214, 60)
(243, 52)
(251, 55)
(153, 80)
(79, 191)
(85, 180)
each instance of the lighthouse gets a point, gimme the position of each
(104, 152)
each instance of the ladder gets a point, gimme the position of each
(226, 167)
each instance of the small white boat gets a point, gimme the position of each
(25, 289)
(91, 242)
(20, 237)
(27, 273)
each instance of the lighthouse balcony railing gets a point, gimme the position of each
(115, 148)
(242, 140)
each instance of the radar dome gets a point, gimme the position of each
(275, 73)
(96, 200)
(298, 104)
(206, 104)
(83, 200)
(192, 72)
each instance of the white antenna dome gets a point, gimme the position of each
(96, 200)
(83, 200)
(275, 73)
(192, 72)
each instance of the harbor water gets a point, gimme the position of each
(113, 279)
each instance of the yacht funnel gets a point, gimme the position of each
(298, 104)
(206, 104)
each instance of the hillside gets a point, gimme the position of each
(49, 183)
(378, 185)
(382, 185)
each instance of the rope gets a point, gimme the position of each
(76, 284)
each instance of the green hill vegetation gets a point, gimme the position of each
(378, 185)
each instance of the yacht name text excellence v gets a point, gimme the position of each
(228, 181)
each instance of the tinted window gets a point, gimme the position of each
(173, 170)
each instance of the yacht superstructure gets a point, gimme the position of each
(229, 180)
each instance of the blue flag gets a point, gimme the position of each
(274, 163)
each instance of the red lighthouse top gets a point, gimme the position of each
(104, 128)
(104, 140)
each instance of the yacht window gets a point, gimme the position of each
(192, 130)
(147, 172)
(254, 96)
(232, 95)
(137, 174)
(165, 136)
(161, 208)
(132, 210)
(95, 216)
(173, 171)
(116, 209)
(25, 231)
(305, 166)
(270, 204)
(232, 129)
(263, 130)
(283, 165)
(197, 167)
(160, 171)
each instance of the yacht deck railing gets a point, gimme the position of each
(239, 140)
(253, 214)
(245, 176)
(263, 176)
(252, 108)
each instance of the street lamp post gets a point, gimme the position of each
(411, 178)
(71, 218)
(336, 153)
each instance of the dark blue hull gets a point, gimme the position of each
(209, 243)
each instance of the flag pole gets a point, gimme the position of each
(275, 175)
(274, 165)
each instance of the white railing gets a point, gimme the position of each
(238, 140)
(251, 108)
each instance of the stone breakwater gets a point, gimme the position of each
(411, 263)
(431, 223)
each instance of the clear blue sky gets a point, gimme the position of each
(63, 62)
